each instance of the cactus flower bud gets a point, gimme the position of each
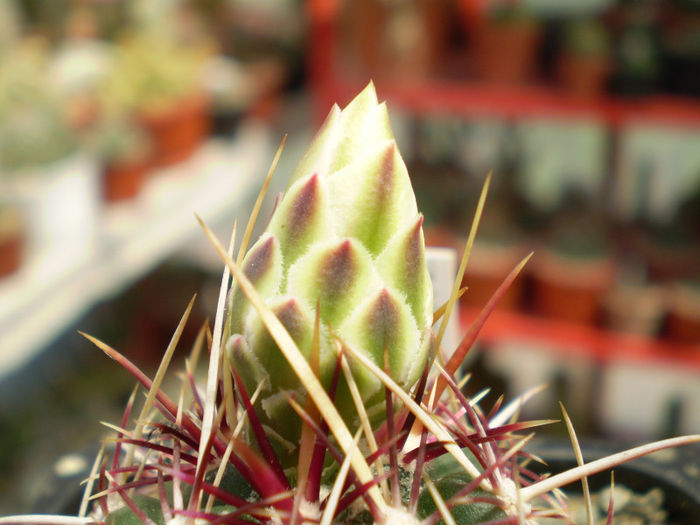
(347, 239)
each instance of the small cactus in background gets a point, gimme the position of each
(151, 72)
(345, 239)
(34, 129)
(330, 314)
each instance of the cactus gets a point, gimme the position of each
(347, 240)
(330, 313)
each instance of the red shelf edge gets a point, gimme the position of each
(472, 98)
(575, 339)
(475, 99)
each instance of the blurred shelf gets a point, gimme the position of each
(465, 98)
(584, 341)
(469, 98)
(55, 286)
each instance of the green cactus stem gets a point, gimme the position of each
(346, 238)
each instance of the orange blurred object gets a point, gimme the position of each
(11, 241)
(583, 76)
(571, 289)
(177, 131)
(488, 266)
(505, 51)
(123, 180)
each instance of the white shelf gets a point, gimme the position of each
(56, 286)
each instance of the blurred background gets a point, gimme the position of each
(119, 119)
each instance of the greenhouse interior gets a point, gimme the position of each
(123, 122)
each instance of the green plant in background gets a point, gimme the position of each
(34, 130)
(329, 316)
(117, 139)
(151, 72)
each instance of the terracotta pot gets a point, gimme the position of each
(488, 266)
(177, 131)
(583, 76)
(11, 241)
(402, 41)
(571, 289)
(123, 180)
(505, 52)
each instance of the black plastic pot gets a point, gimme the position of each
(675, 471)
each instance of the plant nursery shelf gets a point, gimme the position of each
(468, 98)
(571, 338)
(55, 286)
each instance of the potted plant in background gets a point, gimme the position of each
(560, 182)
(78, 64)
(34, 128)
(319, 403)
(575, 270)
(501, 245)
(41, 166)
(505, 38)
(585, 60)
(157, 81)
(124, 151)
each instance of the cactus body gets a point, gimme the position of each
(346, 238)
